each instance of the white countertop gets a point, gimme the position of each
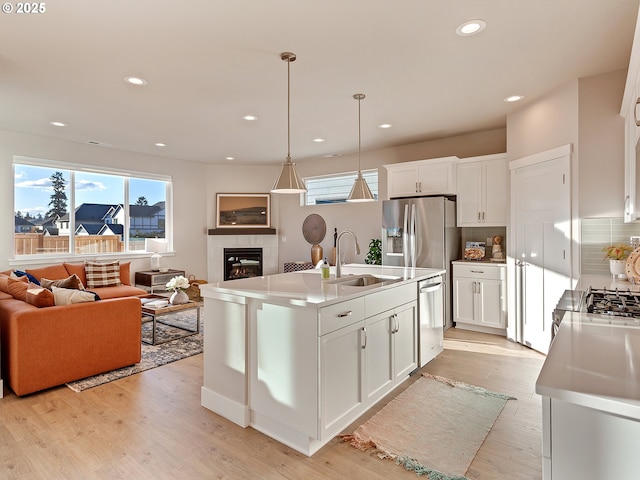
(594, 361)
(306, 287)
(605, 281)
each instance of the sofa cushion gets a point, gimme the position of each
(78, 269)
(67, 296)
(70, 282)
(120, 291)
(52, 271)
(39, 296)
(18, 288)
(102, 274)
(4, 283)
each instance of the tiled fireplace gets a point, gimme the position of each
(216, 243)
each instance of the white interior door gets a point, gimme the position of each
(542, 218)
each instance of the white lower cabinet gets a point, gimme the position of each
(390, 349)
(479, 296)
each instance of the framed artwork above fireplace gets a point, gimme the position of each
(243, 210)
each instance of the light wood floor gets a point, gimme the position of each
(151, 426)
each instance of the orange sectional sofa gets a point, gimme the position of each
(47, 346)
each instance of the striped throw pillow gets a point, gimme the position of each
(102, 274)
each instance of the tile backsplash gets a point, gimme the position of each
(597, 233)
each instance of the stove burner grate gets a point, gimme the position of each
(616, 302)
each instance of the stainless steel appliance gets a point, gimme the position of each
(422, 232)
(431, 313)
(600, 306)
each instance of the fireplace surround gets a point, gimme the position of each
(217, 241)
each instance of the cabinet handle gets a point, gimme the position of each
(478, 217)
(395, 317)
(479, 287)
(477, 271)
(345, 314)
(482, 217)
(627, 199)
(417, 188)
(635, 112)
(364, 345)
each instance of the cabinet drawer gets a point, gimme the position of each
(480, 271)
(388, 299)
(340, 315)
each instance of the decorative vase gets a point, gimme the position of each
(617, 268)
(316, 254)
(178, 297)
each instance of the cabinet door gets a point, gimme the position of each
(469, 198)
(464, 299)
(495, 179)
(378, 356)
(437, 178)
(405, 341)
(341, 381)
(402, 182)
(491, 305)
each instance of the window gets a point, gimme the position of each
(70, 209)
(336, 188)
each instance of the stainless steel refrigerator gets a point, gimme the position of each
(422, 232)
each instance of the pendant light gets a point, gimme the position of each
(288, 181)
(360, 191)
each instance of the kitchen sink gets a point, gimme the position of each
(365, 280)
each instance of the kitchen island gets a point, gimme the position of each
(590, 384)
(300, 358)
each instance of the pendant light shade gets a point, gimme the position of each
(360, 192)
(288, 181)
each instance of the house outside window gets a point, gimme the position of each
(66, 209)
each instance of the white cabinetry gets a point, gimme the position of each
(479, 296)
(631, 112)
(423, 177)
(482, 186)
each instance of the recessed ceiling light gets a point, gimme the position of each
(135, 81)
(160, 144)
(514, 98)
(229, 158)
(470, 28)
(385, 125)
(318, 140)
(58, 124)
(250, 118)
(332, 155)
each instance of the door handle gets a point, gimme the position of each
(364, 344)
(431, 288)
(627, 210)
(345, 314)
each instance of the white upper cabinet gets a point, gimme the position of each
(423, 177)
(631, 112)
(483, 187)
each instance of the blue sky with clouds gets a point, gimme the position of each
(33, 189)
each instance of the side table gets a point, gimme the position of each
(150, 279)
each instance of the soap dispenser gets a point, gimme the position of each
(325, 269)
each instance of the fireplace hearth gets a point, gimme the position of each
(242, 263)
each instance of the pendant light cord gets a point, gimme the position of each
(359, 141)
(288, 109)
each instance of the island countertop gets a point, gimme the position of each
(306, 287)
(595, 362)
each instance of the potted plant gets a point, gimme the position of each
(374, 256)
(617, 255)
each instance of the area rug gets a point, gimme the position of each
(435, 427)
(155, 355)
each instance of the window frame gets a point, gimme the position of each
(73, 168)
(305, 196)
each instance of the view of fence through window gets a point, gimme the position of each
(62, 211)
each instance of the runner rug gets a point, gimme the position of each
(155, 355)
(435, 427)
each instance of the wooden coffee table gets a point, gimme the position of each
(156, 312)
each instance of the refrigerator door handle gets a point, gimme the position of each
(405, 237)
(413, 236)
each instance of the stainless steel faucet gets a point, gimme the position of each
(357, 249)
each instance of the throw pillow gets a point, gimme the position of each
(53, 271)
(70, 282)
(78, 269)
(18, 288)
(20, 273)
(4, 283)
(102, 274)
(39, 296)
(66, 296)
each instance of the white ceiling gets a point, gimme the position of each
(209, 62)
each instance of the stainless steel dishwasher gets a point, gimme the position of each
(431, 318)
